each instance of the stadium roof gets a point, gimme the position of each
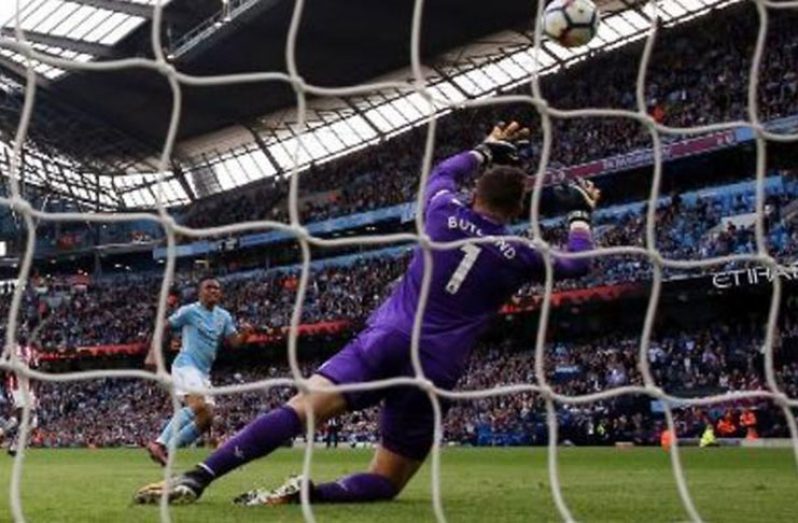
(79, 30)
(259, 143)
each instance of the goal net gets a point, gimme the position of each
(657, 14)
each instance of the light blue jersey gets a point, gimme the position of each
(203, 331)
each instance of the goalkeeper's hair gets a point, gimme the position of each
(501, 189)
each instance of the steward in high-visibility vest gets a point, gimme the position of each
(708, 437)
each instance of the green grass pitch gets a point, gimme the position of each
(478, 485)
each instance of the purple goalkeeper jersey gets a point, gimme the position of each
(469, 284)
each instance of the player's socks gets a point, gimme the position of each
(258, 438)
(188, 434)
(176, 423)
(356, 488)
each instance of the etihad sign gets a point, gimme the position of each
(753, 276)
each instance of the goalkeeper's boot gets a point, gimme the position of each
(157, 453)
(286, 494)
(183, 490)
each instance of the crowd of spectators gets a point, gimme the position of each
(686, 362)
(66, 317)
(695, 77)
(698, 230)
(114, 311)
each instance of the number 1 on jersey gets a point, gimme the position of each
(471, 253)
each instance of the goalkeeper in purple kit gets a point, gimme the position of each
(468, 287)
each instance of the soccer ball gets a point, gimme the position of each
(571, 22)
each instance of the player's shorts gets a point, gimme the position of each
(18, 395)
(407, 421)
(190, 378)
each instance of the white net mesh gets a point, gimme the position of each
(178, 80)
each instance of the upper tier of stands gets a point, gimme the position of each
(121, 309)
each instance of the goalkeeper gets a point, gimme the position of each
(468, 287)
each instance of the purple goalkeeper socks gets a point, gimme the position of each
(356, 488)
(268, 432)
(258, 438)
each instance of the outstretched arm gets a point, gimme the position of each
(449, 173)
(578, 199)
(498, 148)
(580, 239)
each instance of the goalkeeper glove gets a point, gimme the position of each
(498, 152)
(500, 147)
(578, 198)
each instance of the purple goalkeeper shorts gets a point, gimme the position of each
(407, 421)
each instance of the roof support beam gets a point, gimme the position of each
(265, 150)
(450, 81)
(21, 72)
(181, 178)
(78, 200)
(128, 8)
(79, 46)
(352, 105)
